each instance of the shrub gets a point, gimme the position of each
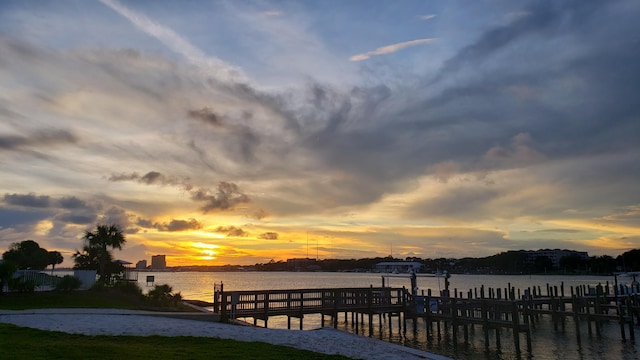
(161, 295)
(68, 283)
(128, 287)
(20, 285)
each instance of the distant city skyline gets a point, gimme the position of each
(238, 132)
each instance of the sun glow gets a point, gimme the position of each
(208, 251)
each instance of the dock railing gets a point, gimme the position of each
(264, 303)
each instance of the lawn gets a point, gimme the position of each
(25, 343)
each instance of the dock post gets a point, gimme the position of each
(266, 308)
(369, 307)
(515, 318)
(554, 312)
(576, 317)
(526, 309)
(630, 312)
(224, 316)
(597, 308)
(403, 313)
(334, 318)
(485, 324)
(621, 319)
(454, 321)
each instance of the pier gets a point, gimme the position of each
(501, 314)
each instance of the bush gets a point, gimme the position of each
(68, 283)
(128, 287)
(20, 285)
(162, 296)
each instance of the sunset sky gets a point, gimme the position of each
(236, 132)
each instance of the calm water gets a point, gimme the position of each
(546, 342)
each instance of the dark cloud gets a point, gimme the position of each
(124, 177)
(560, 231)
(179, 225)
(14, 217)
(544, 18)
(145, 223)
(259, 214)
(232, 231)
(240, 141)
(28, 200)
(118, 216)
(73, 218)
(37, 139)
(152, 178)
(268, 236)
(206, 115)
(227, 197)
(72, 202)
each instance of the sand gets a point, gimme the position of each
(141, 323)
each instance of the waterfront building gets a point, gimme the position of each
(398, 266)
(159, 262)
(555, 255)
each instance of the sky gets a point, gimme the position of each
(240, 132)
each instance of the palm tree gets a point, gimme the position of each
(55, 258)
(97, 249)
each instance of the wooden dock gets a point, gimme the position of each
(297, 303)
(493, 310)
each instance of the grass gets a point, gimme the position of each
(73, 299)
(26, 343)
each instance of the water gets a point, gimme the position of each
(547, 343)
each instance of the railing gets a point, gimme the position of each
(262, 304)
(39, 278)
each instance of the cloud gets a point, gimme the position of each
(271, 13)
(232, 231)
(227, 197)
(259, 214)
(152, 178)
(206, 115)
(269, 236)
(38, 139)
(72, 202)
(76, 218)
(520, 152)
(427, 16)
(176, 225)
(500, 120)
(28, 200)
(388, 49)
(177, 43)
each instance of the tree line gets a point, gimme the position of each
(95, 254)
(509, 262)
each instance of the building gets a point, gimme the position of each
(141, 265)
(159, 262)
(302, 264)
(555, 255)
(398, 267)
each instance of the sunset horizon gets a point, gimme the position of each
(239, 132)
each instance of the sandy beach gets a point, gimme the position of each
(143, 323)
